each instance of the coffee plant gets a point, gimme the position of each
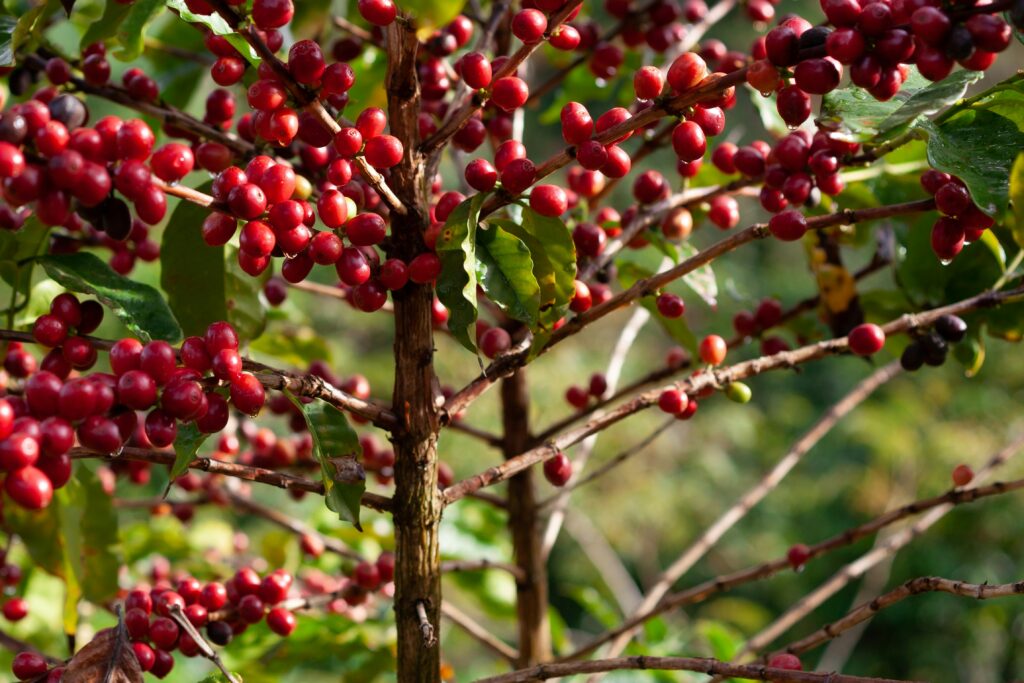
(485, 179)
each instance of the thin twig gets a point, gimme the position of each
(715, 378)
(178, 615)
(230, 469)
(758, 672)
(718, 584)
(426, 628)
(481, 565)
(474, 629)
(757, 493)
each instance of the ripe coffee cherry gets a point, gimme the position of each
(577, 125)
(172, 162)
(378, 12)
(29, 665)
(724, 212)
(476, 70)
(481, 175)
(785, 661)
(648, 83)
(818, 76)
(866, 339)
(29, 487)
(136, 389)
(962, 476)
(383, 151)
(19, 450)
(673, 401)
(518, 175)
(686, 72)
(558, 469)
(281, 621)
(688, 141)
(713, 349)
(12, 161)
(494, 342)
(306, 61)
(257, 239)
(670, 305)
(782, 46)
(549, 200)
(509, 93)
(49, 330)
(247, 394)
(15, 609)
(952, 199)
(528, 25)
(948, 237)
(794, 105)
(247, 201)
(788, 226)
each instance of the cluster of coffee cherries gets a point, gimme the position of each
(58, 403)
(961, 222)
(580, 397)
(930, 347)
(767, 315)
(797, 169)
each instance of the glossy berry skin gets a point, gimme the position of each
(686, 72)
(476, 70)
(577, 124)
(281, 621)
(788, 226)
(383, 151)
(673, 401)
(549, 200)
(15, 609)
(951, 328)
(670, 305)
(866, 339)
(378, 12)
(494, 342)
(509, 93)
(29, 487)
(648, 83)
(28, 665)
(713, 349)
(164, 633)
(528, 25)
(689, 141)
(558, 469)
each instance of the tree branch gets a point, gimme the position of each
(479, 565)
(704, 590)
(477, 631)
(650, 285)
(717, 379)
(705, 665)
(230, 469)
(756, 494)
(923, 584)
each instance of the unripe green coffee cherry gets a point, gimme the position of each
(738, 392)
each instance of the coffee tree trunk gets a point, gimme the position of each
(526, 528)
(417, 510)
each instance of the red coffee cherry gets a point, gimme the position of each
(383, 151)
(670, 305)
(686, 72)
(673, 401)
(549, 200)
(788, 226)
(866, 339)
(648, 83)
(558, 469)
(475, 69)
(509, 93)
(528, 25)
(378, 12)
(713, 349)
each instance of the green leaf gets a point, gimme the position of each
(131, 33)
(702, 280)
(139, 306)
(218, 25)
(677, 328)
(293, 346)
(867, 119)
(505, 272)
(549, 240)
(979, 147)
(74, 538)
(929, 100)
(113, 14)
(242, 297)
(456, 286)
(1016, 213)
(7, 26)
(205, 284)
(186, 444)
(336, 447)
(19, 246)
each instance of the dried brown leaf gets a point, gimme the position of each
(108, 658)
